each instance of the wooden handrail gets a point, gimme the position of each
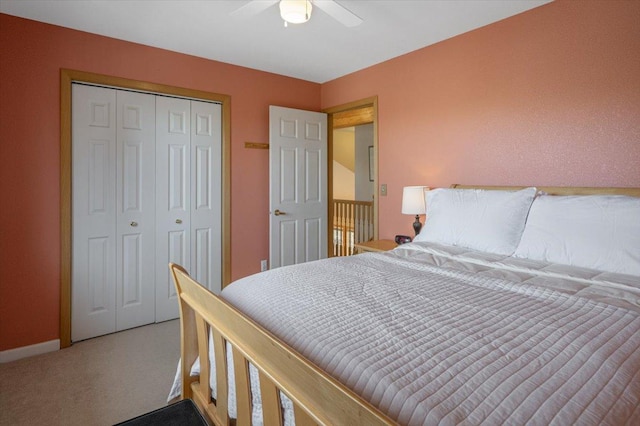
(355, 203)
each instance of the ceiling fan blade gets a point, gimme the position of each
(253, 7)
(338, 12)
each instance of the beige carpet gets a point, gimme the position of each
(101, 381)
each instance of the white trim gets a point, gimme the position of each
(31, 350)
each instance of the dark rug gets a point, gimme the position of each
(182, 413)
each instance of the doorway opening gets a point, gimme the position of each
(352, 175)
(353, 187)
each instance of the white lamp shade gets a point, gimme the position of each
(413, 199)
(295, 11)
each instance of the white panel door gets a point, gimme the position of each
(147, 190)
(173, 198)
(93, 273)
(206, 194)
(298, 186)
(135, 246)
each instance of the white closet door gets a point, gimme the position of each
(206, 194)
(135, 263)
(173, 201)
(93, 290)
(147, 190)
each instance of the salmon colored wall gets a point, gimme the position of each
(31, 58)
(551, 96)
(547, 97)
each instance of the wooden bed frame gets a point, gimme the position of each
(318, 398)
(561, 190)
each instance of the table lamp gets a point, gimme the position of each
(413, 203)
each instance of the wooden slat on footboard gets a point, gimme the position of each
(222, 377)
(317, 397)
(243, 388)
(271, 404)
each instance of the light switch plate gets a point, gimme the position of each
(383, 190)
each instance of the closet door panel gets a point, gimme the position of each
(147, 191)
(93, 212)
(173, 198)
(136, 151)
(206, 189)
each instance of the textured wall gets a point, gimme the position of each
(548, 97)
(32, 55)
(551, 96)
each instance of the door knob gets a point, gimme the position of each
(278, 212)
(178, 221)
(134, 224)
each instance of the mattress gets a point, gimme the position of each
(436, 334)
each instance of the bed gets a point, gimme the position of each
(513, 305)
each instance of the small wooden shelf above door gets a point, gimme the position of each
(256, 145)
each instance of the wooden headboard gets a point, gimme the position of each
(561, 190)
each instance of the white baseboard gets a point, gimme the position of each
(31, 350)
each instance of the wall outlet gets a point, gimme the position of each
(263, 265)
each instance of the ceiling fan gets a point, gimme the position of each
(299, 11)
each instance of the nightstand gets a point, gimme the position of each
(374, 246)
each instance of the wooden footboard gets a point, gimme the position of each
(317, 397)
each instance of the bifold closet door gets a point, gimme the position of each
(147, 190)
(188, 196)
(113, 219)
(206, 194)
(173, 198)
(135, 209)
(93, 274)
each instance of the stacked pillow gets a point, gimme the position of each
(485, 220)
(592, 231)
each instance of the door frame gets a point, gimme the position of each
(355, 119)
(67, 77)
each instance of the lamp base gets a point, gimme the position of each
(417, 226)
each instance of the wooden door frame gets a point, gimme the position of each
(67, 77)
(351, 120)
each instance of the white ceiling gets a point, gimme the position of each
(319, 50)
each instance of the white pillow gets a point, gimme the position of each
(592, 231)
(485, 220)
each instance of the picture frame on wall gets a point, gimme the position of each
(371, 164)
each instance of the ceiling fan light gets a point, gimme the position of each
(295, 11)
